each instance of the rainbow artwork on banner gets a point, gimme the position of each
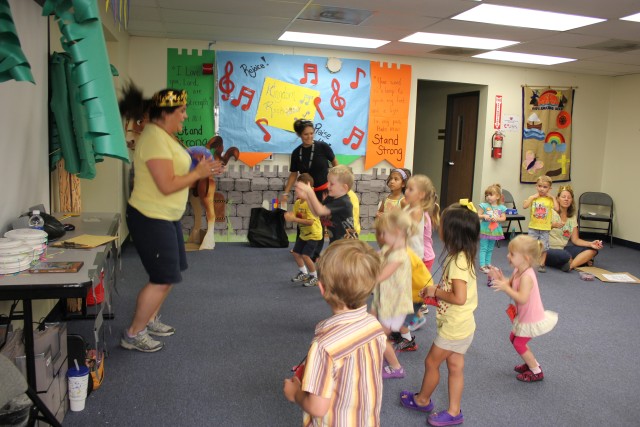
(555, 141)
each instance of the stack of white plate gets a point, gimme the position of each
(36, 239)
(15, 256)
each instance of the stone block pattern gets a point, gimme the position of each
(245, 188)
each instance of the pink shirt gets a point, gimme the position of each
(429, 254)
(531, 311)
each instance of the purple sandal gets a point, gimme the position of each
(444, 418)
(407, 399)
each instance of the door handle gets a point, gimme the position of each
(451, 163)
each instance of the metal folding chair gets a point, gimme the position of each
(511, 204)
(596, 207)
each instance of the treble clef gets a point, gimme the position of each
(337, 102)
(225, 84)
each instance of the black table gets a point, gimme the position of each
(28, 287)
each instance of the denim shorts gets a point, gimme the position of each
(542, 235)
(160, 245)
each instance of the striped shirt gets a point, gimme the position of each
(344, 364)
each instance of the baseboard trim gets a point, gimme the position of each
(626, 243)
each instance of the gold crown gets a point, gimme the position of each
(170, 99)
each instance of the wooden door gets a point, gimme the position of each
(459, 147)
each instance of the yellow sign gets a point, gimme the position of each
(282, 103)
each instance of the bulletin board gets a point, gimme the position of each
(360, 108)
(262, 94)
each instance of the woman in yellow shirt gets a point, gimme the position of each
(161, 184)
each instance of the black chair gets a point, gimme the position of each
(597, 207)
(511, 204)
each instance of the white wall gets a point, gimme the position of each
(24, 142)
(619, 170)
(593, 100)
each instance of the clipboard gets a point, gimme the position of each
(84, 241)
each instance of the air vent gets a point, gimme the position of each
(339, 15)
(613, 45)
(457, 51)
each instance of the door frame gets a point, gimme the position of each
(444, 187)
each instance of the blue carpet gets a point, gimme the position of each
(241, 324)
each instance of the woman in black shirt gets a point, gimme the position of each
(312, 157)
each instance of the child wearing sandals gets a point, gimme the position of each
(457, 300)
(397, 182)
(342, 380)
(491, 213)
(392, 294)
(531, 319)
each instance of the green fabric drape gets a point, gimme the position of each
(91, 98)
(13, 62)
(69, 137)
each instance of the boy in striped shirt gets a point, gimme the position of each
(342, 381)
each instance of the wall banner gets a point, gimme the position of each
(260, 95)
(388, 114)
(546, 133)
(186, 71)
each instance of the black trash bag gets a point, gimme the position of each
(266, 229)
(53, 227)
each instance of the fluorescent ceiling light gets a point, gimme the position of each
(527, 18)
(293, 36)
(523, 57)
(635, 18)
(457, 41)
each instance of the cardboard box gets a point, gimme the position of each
(44, 369)
(62, 380)
(51, 398)
(54, 336)
(610, 277)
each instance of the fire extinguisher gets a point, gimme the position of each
(496, 145)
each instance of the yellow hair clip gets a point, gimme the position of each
(469, 205)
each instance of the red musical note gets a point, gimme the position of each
(244, 92)
(225, 84)
(310, 69)
(260, 123)
(317, 102)
(357, 133)
(354, 85)
(337, 102)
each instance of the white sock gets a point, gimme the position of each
(407, 336)
(313, 273)
(209, 240)
(536, 370)
(303, 269)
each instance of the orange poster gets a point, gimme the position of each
(388, 114)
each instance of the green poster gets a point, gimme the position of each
(186, 71)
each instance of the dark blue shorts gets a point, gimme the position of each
(160, 245)
(305, 247)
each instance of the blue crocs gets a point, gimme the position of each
(444, 418)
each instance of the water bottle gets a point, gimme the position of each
(36, 222)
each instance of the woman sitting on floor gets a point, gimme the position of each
(566, 249)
